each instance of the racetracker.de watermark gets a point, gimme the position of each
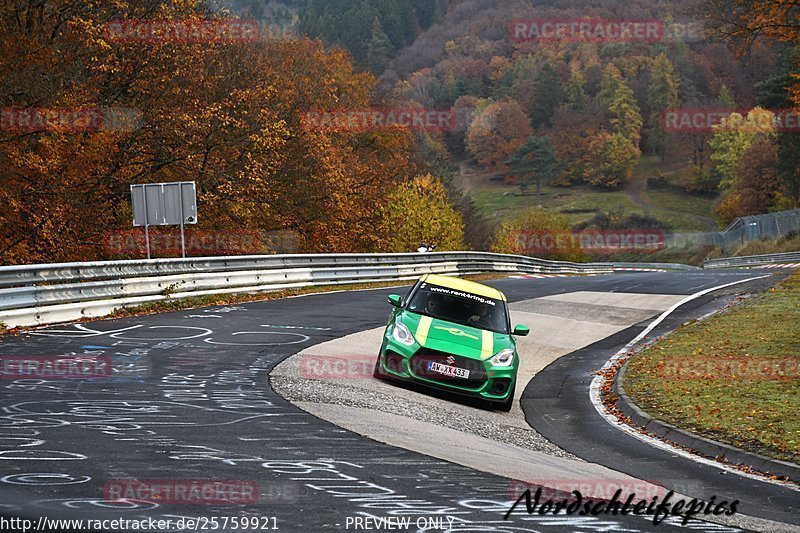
(377, 119)
(707, 119)
(363, 366)
(336, 367)
(598, 30)
(196, 242)
(597, 241)
(183, 491)
(69, 119)
(183, 31)
(751, 368)
(54, 367)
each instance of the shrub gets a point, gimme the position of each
(419, 211)
(541, 233)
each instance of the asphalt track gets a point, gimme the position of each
(190, 400)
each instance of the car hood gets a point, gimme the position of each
(458, 339)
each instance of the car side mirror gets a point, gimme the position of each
(395, 300)
(521, 331)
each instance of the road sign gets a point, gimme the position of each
(164, 204)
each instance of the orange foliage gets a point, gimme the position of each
(226, 115)
(747, 20)
(496, 132)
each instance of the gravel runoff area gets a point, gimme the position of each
(451, 415)
(560, 324)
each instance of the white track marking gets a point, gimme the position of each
(303, 338)
(778, 265)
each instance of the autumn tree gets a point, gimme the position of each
(702, 179)
(572, 137)
(618, 157)
(500, 76)
(744, 22)
(577, 99)
(758, 184)
(419, 211)
(496, 132)
(522, 79)
(228, 115)
(618, 97)
(725, 98)
(620, 150)
(774, 94)
(732, 137)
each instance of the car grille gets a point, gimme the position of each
(477, 370)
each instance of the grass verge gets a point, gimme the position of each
(733, 378)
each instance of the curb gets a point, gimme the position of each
(717, 450)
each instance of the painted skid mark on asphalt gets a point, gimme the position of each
(80, 331)
(201, 395)
(295, 327)
(44, 479)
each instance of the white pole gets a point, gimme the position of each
(146, 225)
(183, 241)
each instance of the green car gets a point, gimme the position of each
(455, 335)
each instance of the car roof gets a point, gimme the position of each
(463, 285)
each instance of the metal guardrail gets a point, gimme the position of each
(752, 260)
(49, 293)
(644, 267)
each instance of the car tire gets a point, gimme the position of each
(508, 404)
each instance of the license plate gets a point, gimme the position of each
(451, 371)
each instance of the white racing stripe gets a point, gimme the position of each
(594, 395)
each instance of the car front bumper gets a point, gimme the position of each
(408, 363)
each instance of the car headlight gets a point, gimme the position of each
(503, 357)
(401, 334)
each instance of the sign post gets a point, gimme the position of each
(164, 204)
(146, 225)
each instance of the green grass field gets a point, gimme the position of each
(497, 201)
(688, 203)
(734, 377)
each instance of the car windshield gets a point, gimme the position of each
(459, 307)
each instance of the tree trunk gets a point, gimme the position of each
(538, 192)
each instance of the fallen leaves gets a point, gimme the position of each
(730, 377)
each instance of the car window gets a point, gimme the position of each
(459, 307)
